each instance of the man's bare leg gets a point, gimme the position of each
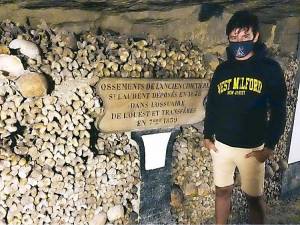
(222, 204)
(256, 209)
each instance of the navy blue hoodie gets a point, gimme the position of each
(240, 95)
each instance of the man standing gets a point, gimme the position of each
(237, 129)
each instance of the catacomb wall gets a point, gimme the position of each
(57, 168)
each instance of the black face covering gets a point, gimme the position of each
(241, 49)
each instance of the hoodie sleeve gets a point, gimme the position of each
(209, 120)
(277, 93)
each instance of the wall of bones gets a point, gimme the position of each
(57, 168)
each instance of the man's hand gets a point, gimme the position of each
(261, 155)
(209, 145)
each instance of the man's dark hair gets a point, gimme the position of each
(243, 19)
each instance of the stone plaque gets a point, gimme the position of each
(134, 104)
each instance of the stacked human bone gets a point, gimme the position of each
(51, 172)
(193, 195)
(56, 168)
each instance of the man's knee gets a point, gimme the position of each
(224, 191)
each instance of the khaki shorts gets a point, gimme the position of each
(227, 158)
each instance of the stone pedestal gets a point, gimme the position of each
(291, 177)
(156, 183)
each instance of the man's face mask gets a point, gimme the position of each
(241, 49)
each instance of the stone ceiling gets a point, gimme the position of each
(269, 11)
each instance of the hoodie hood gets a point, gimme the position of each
(260, 51)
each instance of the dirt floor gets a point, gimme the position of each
(284, 211)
